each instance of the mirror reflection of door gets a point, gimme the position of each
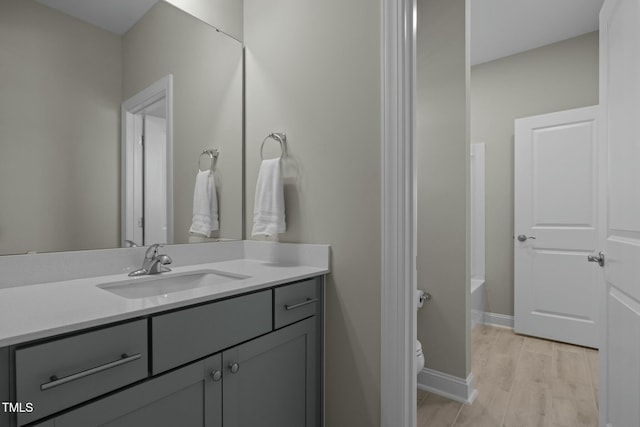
(147, 177)
(151, 214)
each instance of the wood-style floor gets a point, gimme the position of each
(522, 382)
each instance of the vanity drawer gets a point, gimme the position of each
(58, 374)
(5, 390)
(296, 302)
(186, 335)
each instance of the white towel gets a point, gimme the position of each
(268, 210)
(205, 205)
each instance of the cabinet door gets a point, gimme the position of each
(187, 397)
(4, 385)
(275, 380)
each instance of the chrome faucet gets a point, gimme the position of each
(153, 263)
(130, 244)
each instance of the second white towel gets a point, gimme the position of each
(205, 205)
(268, 210)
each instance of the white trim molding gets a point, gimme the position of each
(497, 319)
(454, 388)
(398, 211)
(477, 317)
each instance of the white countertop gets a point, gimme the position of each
(43, 310)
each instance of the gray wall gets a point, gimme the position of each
(443, 183)
(61, 90)
(207, 108)
(313, 71)
(556, 77)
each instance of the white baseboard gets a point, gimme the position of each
(449, 386)
(497, 319)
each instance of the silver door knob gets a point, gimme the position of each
(216, 376)
(523, 238)
(234, 367)
(599, 259)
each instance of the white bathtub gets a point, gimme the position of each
(477, 301)
(477, 285)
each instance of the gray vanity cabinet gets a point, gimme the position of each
(179, 337)
(245, 361)
(267, 382)
(5, 389)
(187, 397)
(271, 381)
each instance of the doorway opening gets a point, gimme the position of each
(147, 165)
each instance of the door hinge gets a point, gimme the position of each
(141, 222)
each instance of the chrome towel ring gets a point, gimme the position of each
(281, 137)
(212, 154)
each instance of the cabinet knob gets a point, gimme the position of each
(216, 375)
(234, 367)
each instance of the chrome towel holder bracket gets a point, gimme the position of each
(212, 154)
(280, 137)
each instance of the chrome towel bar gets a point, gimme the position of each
(212, 154)
(280, 137)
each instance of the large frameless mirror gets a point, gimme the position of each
(70, 126)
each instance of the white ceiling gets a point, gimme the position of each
(116, 16)
(501, 28)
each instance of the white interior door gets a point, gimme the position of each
(136, 227)
(155, 180)
(556, 226)
(620, 137)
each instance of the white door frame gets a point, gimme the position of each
(398, 222)
(162, 88)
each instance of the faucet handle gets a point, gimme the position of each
(152, 252)
(158, 264)
(164, 259)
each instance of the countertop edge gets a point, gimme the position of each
(25, 338)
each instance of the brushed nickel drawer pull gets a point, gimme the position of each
(300, 304)
(55, 381)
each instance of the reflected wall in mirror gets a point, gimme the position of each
(63, 83)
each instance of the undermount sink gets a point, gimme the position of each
(162, 284)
